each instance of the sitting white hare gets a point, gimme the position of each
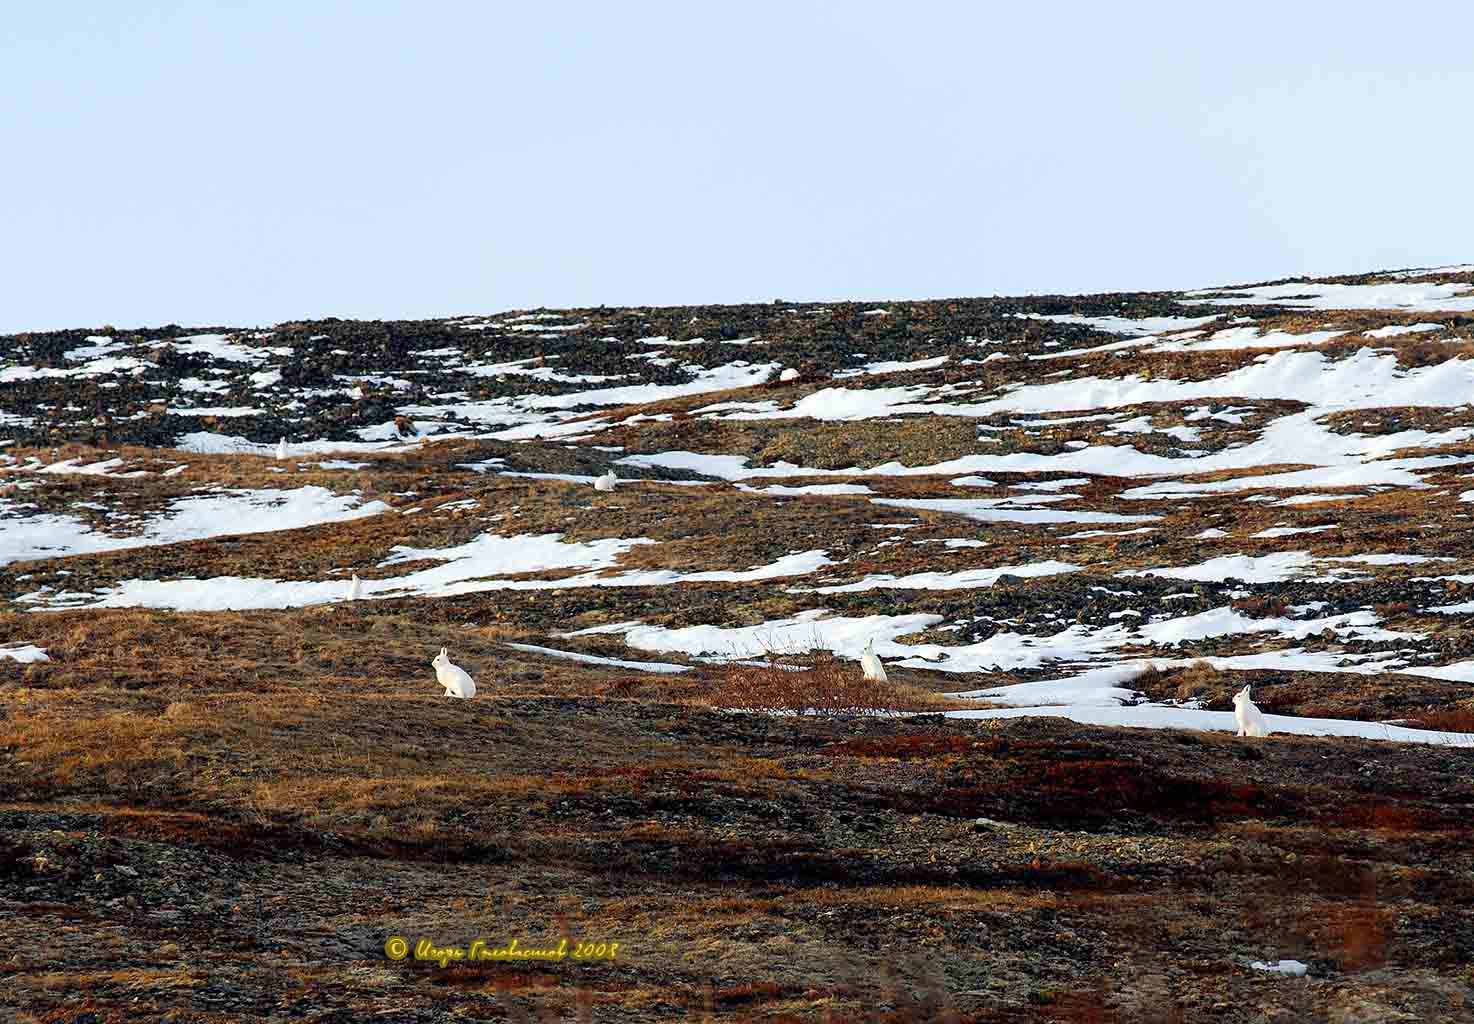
(1250, 718)
(871, 666)
(455, 679)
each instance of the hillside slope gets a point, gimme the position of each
(1071, 527)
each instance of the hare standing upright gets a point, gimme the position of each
(870, 665)
(456, 681)
(1250, 718)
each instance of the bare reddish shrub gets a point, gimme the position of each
(1446, 720)
(824, 686)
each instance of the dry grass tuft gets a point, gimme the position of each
(1192, 682)
(1418, 351)
(825, 685)
(1197, 680)
(1262, 607)
(1447, 720)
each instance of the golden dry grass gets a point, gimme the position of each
(767, 866)
(818, 685)
(379, 647)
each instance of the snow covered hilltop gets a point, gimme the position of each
(227, 557)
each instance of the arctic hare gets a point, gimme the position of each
(870, 664)
(281, 449)
(454, 678)
(355, 589)
(605, 482)
(1250, 718)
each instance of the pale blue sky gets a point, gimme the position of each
(247, 163)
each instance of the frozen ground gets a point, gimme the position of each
(1070, 527)
(891, 457)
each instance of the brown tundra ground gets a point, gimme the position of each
(225, 809)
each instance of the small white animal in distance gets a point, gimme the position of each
(870, 664)
(281, 449)
(456, 681)
(355, 589)
(1250, 718)
(606, 482)
(788, 374)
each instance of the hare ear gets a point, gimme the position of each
(442, 650)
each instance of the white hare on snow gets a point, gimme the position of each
(456, 681)
(606, 482)
(870, 665)
(1251, 720)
